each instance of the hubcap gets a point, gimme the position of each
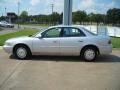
(89, 54)
(21, 52)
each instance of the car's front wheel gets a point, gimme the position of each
(7, 26)
(89, 54)
(22, 52)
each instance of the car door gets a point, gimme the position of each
(49, 43)
(71, 42)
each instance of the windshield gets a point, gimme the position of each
(38, 34)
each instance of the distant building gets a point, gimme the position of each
(10, 15)
(32, 20)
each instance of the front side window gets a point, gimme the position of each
(51, 33)
(72, 32)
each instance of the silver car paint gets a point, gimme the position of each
(61, 45)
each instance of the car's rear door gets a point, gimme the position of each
(71, 41)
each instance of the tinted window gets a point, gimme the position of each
(54, 32)
(72, 32)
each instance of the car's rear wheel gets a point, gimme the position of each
(22, 52)
(89, 54)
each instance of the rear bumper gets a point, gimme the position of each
(105, 49)
(8, 49)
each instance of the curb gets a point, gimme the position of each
(1, 47)
(116, 48)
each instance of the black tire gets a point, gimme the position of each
(8, 26)
(26, 54)
(89, 57)
(11, 26)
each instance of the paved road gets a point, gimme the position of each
(31, 26)
(11, 30)
(60, 73)
(8, 30)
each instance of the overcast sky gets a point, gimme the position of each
(35, 7)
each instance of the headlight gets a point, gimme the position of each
(8, 44)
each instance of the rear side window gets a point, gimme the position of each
(72, 32)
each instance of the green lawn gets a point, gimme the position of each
(116, 42)
(24, 32)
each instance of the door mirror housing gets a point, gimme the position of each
(40, 36)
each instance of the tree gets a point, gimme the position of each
(61, 18)
(113, 16)
(55, 17)
(79, 16)
(98, 18)
(2, 18)
(24, 16)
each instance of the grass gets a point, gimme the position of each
(24, 32)
(116, 42)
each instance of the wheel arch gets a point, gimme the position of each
(21, 44)
(90, 45)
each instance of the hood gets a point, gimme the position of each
(19, 39)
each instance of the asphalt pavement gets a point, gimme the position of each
(60, 73)
(8, 30)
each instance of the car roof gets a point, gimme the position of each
(77, 26)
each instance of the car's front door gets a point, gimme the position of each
(71, 41)
(49, 43)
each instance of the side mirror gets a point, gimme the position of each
(40, 37)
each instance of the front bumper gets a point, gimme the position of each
(8, 49)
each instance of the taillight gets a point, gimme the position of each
(109, 42)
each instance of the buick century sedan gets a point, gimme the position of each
(61, 41)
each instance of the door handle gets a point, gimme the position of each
(80, 41)
(54, 41)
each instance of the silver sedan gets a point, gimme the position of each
(62, 41)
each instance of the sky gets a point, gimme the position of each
(35, 7)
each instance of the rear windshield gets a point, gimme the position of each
(89, 32)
